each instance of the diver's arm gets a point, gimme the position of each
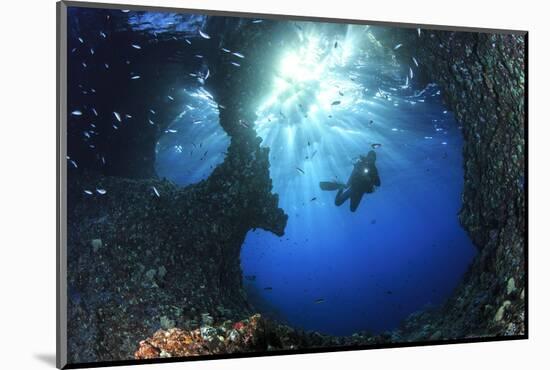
(353, 174)
(376, 177)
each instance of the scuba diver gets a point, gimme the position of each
(363, 179)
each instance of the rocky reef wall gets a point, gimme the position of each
(145, 254)
(482, 78)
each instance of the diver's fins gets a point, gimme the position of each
(331, 185)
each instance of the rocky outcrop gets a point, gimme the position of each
(145, 254)
(252, 334)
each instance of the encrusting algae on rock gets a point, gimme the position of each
(253, 334)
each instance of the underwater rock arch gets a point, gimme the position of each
(158, 253)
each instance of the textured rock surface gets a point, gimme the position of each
(482, 78)
(253, 334)
(171, 259)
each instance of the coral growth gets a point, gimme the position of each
(253, 334)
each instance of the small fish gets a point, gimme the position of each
(136, 46)
(81, 40)
(187, 41)
(268, 288)
(394, 129)
(88, 192)
(117, 116)
(300, 170)
(92, 51)
(313, 155)
(125, 10)
(127, 115)
(156, 191)
(236, 64)
(84, 64)
(76, 113)
(106, 65)
(336, 102)
(151, 122)
(335, 44)
(312, 199)
(419, 31)
(204, 35)
(397, 46)
(170, 97)
(226, 50)
(444, 142)
(172, 131)
(74, 164)
(376, 146)
(320, 300)
(102, 34)
(101, 191)
(136, 77)
(411, 74)
(152, 111)
(257, 21)
(199, 56)
(115, 127)
(415, 61)
(238, 55)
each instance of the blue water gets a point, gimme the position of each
(335, 271)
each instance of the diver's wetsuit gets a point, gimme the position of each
(362, 180)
